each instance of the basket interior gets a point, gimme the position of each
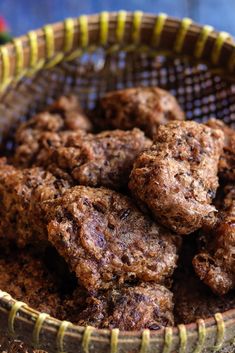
(200, 93)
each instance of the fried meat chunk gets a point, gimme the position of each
(215, 263)
(227, 159)
(147, 305)
(105, 159)
(21, 194)
(41, 130)
(142, 107)
(106, 240)
(177, 177)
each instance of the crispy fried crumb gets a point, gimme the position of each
(177, 177)
(106, 240)
(142, 107)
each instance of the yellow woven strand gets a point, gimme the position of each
(19, 55)
(69, 34)
(114, 340)
(201, 336)
(201, 42)
(167, 340)
(104, 27)
(49, 38)
(5, 65)
(220, 332)
(75, 54)
(145, 341)
(158, 29)
(137, 20)
(216, 51)
(5, 294)
(179, 42)
(33, 43)
(12, 315)
(183, 338)
(54, 61)
(86, 338)
(60, 336)
(84, 40)
(34, 64)
(121, 23)
(37, 328)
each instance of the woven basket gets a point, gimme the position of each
(89, 56)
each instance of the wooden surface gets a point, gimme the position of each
(23, 15)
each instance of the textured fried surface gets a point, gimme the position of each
(72, 114)
(227, 159)
(177, 177)
(21, 194)
(148, 305)
(105, 159)
(215, 264)
(194, 300)
(142, 107)
(106, 240)
(41, 130)
(25, 278)
(24, 275)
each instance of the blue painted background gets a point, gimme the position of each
(23, 15)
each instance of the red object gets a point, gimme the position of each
(3, 24)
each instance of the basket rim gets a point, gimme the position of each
(14, 315)
(42, 48)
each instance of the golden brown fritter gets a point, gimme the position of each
(105, 159)
(227, 159)
(72, 113)
(147, 305)
(215, 264)
(142, 107)
(21, 194)
(41, 130)
(106, 240)
(177, 177)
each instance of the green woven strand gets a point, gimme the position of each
(37, 328)
(114, 340)
(12, 315)
(121, 22)
(220, 332)
(137, 20)
(216, 51)
(167, 340)
(183, 338)
(69, 34)
(201, 336)
(145, 341)
(104, 28)
(201, 42)
(49, 38)
(83, 21)
(158, 29)
(60, 336)
(180, 39)
(86, 338)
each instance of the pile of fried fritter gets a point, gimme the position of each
(123, 217)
